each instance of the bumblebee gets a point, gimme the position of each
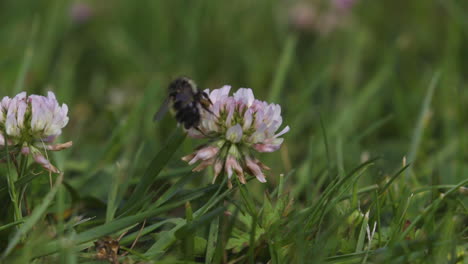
(186, 102)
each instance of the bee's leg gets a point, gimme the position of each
(199, 130)
(205, 102)
(207, 109)
(207, 97)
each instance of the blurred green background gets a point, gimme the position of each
(356, 80)
(352, 81)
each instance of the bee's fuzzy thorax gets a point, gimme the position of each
(185, 102)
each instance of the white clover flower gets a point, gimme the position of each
(48, 118)
(237, 125)
(32, 122)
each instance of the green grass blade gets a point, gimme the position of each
(192, 226)
(174, 189)
(113, 226)
(27, 59)
(253, 229)
(422, 121)
(283, 68)
(431, 207)
(212, 240)
(188, 240)
(155, 167)
(11, 224)
(362, 234)
(131, 237)
(112, 196)
(393, 178)
(21, 182)
(164, 241)
(325, 140)
(35, 216)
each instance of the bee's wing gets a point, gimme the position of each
(162, 110)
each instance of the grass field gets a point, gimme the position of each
(373, 170)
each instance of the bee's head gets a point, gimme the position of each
(183, 84)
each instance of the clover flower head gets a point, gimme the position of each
(238, 126)
(32, 123)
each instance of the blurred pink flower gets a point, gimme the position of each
(32, 122)
(237, 125)
(344, 5)
(80, 12)
(309, 16)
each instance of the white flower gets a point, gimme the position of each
(32, 122)
(237, 125)
(15, 115)
(47, 117)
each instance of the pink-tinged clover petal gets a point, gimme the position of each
(268, 147)
(219, 94)
(51, 96)
(218, 166)
(244, 96)
(248, 118)
(203, 165)
(255, 170)
(232, 165)
(11, 126)
(45, 163)
(22, 107)
(188, 157)
(230, 108)
(234, 134)
(193, 133)
(259, 120)
(259, 135)
(284, 131)
(204, 154)
(58, 147)
(4, 103)
(229, 166)
(239, 172)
